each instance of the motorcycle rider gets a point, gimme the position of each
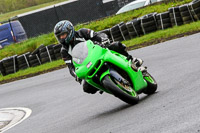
(68, 37)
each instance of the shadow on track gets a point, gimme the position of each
(113, 111)
(119, 110)
(124, 107)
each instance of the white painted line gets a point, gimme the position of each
(10, 117)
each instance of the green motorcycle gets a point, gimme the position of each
(110, 72)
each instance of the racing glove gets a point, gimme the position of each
(105, 42)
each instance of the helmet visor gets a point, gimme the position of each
(61, 37)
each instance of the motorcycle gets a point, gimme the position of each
(111, 72)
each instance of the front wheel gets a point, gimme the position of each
(151, 84)
(123, 92)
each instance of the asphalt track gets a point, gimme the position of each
(59, 105)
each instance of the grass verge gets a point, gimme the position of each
(163, 35)
(6, 16)
(30, 72)
(127, 16)
(28, 45)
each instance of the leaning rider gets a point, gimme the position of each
(68, 37)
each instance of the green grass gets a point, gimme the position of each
(6, 16)
(127, 16)
(33, 70)
(164, 34)
(27, 46)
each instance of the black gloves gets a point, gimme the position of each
(105, 42)
(101, 39)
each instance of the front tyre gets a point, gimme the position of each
(151, 84)
(126, 94)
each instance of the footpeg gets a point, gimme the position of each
(142, 69)
(138, 62)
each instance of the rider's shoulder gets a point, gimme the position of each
(84, 30)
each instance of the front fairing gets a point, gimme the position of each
(86, 56)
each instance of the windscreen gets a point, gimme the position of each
(80, 52)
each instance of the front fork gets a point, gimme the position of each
(140, 81)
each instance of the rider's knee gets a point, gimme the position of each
(89, 89)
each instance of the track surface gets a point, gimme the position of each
(60, 106)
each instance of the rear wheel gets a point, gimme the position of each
(123, 92)
(151, 84)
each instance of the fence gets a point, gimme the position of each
(42, 21)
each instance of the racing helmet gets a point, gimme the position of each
(64, 27)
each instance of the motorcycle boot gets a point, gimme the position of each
(136, 61)
(89, 88)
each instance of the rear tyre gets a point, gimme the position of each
(151, 84)
(120, 91)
